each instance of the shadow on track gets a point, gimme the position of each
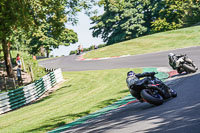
(176, 115)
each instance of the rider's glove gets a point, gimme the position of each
(153, 73)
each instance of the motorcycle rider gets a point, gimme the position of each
(134, 83)
(175, 60)
(172, 60)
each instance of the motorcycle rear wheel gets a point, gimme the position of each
(152, 99)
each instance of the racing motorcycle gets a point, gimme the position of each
(182, 63)
(151, 89)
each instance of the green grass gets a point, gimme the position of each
(88, 91)
(82, 93)
(181, 38)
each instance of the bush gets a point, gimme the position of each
(162, 25)
(101, 45)
(91, 47)
(87, 49)
(72, 52)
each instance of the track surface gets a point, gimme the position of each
(178, 115)
(159, 59)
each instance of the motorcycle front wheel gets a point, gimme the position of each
(155, 99)
(189, 68)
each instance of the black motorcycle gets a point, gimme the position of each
(182, 63)
(150, 89)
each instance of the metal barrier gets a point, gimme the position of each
(22, 96)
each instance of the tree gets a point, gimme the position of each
(27, 14)
(19, 39)
(128, 19)
(175, 14)
(123, 19)
(151, 10)
(47, 41)
(192, 13)
(30, 15)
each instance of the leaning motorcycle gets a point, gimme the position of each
(182, 63)
(153, 91)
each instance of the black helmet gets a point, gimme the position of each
(130, 74)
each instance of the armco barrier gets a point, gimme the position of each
(19, 97)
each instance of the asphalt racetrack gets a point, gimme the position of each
(177, 115)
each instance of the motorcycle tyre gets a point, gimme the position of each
(179, 71)
(174, 94)
(150, 99)
(189, 69)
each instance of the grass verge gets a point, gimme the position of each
(181, 38)
(82, 93)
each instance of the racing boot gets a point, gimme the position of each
(172, 92)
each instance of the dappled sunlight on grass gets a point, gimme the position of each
(81, 94)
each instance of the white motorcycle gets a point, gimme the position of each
(182, 63)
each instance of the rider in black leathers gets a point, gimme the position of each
(135, 84)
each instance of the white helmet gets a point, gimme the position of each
(171, 54)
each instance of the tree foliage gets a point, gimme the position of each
(123, 19)
(31, 15)
(176, 14)
(127, 19)
(47, 41)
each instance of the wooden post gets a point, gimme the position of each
(5, 83)
(4, 78)
(14, 82)
(32, 75)
(23, 64)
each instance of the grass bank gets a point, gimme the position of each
(82, 93)
(181, 38)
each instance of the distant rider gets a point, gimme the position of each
(176, 60)
(172, 60)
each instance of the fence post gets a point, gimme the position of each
(4, 82)
(23, 65)
(14, 82)
(32, 75)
